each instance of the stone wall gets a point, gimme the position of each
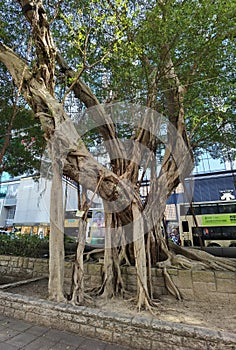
(134, 332)
(211, 286)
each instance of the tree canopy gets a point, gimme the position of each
(118, 48)
(21, 142)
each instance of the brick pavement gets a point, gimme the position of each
(18, 334)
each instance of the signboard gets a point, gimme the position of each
(71, 223)
(218, 220)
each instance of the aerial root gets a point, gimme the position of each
(87, 299)
(150, 304)
(171, 287)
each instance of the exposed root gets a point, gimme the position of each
(58, 299)
(190, 258)
(89, 254)
(150, 306)
(181, 262)
(171, 287)
(96, 291)
(87, 300)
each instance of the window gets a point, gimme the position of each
(11, 213)
(227, 208)
(185, 226)
(209, 209)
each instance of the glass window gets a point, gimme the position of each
(229, 231)
(185, 226)
(197, 209)
(11, 213)
(215, 232)
(3, 191)
(209, 209)
(227, 208)
(183, 210)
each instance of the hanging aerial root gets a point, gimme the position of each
(172, 289)
(147, 303)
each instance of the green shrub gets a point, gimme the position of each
(24, 245)
(31, 246)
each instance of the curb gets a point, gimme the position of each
(135, 332)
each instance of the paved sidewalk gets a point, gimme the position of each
(18, 334)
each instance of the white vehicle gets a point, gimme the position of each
(216, 223)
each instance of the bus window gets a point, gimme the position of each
(197, 236)
(197, 209)
(229, 232)
(184, 210)
(209, 209)
(215, 233)
(227, 208)
(185, 226)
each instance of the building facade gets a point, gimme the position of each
(25, 204)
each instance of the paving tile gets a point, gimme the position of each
(37, 330)
(19, 325)
(21, 339)
(41, 343)
(62, 346)
(6, 334)
(53, 334)
(114, 347)
(5, 346)
(5, 321)
(17, 334)
(90, 344)
(71, 339)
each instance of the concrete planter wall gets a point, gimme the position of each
(134, 332)
(211, 286)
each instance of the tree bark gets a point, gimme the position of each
(56, 241)
(77, 288)
(140, 257)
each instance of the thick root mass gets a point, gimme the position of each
(197, 259)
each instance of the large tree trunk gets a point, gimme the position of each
(56, 237)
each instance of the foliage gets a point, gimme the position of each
(31, 246)
(118, 47)
(21, 139)
(129, 41)
(23, 245)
